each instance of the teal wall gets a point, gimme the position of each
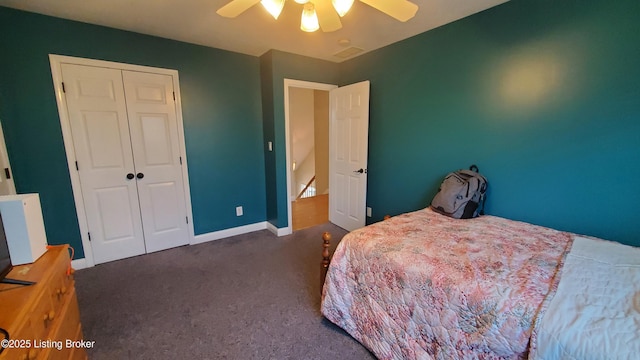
(544, 96)
(221, 102)
(275, 67)
(541, 95)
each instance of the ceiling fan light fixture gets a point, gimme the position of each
(301, 2)
(274, 7)
(342, 6)
(309, 20)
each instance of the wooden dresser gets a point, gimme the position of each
(43, 320)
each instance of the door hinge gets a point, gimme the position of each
(174, 96)
(180, 160)
(89, 234)
(63, 89)
(77, 168)
(7, 173)
(186, 218)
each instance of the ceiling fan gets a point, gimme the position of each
(323, 14)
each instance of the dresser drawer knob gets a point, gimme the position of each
(61, 291)
(48, 317)
(31, 355)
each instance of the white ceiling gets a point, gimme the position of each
(255, 32)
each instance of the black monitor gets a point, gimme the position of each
(5, 257)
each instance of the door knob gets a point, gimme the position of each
(130, 176)
(359, 171)
(139, 175)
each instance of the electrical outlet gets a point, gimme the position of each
(368, 211)
(238, 210)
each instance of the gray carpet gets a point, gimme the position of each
(253, 296)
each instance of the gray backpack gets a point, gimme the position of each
(461, 194)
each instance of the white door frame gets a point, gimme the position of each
(5, 158)
(56, 72)
(290, 83)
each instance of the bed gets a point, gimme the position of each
(425, 286)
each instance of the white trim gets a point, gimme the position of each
(79, 264)
(289, 83)
(217, 235)
(5, 158)
(199, 239)
(280, 231)
(56, 72)
(183, 154)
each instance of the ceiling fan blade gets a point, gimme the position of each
(327, 16)
(401, 10)
(236, 7)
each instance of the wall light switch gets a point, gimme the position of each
(270, 144)
(238, 210)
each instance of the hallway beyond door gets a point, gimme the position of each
(311, 211)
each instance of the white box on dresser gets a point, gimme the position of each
(24, 227)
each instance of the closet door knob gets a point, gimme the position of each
(130, 176)
(140, 175)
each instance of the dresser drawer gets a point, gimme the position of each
(79, 354)
(66, 328)
(60, 283)
(21, 350)
(20, 354)
(43, 315)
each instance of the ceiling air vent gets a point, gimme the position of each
(348, 52)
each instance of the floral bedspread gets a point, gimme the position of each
(425, 286)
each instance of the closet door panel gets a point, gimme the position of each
(154, 137)
(97, 113)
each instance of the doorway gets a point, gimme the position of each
(309, 131)
(348, 151)
(307, 152)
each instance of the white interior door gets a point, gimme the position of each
(100, 130)
(154, 138)
(348, 144)
(7, 186)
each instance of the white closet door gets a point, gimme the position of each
(154, 138)
(100, 131)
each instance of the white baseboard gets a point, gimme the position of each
(78, 264)
(216, 235)
(278, 231)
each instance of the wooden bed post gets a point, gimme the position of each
(326, 242)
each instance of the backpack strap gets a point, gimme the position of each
(483, 190)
